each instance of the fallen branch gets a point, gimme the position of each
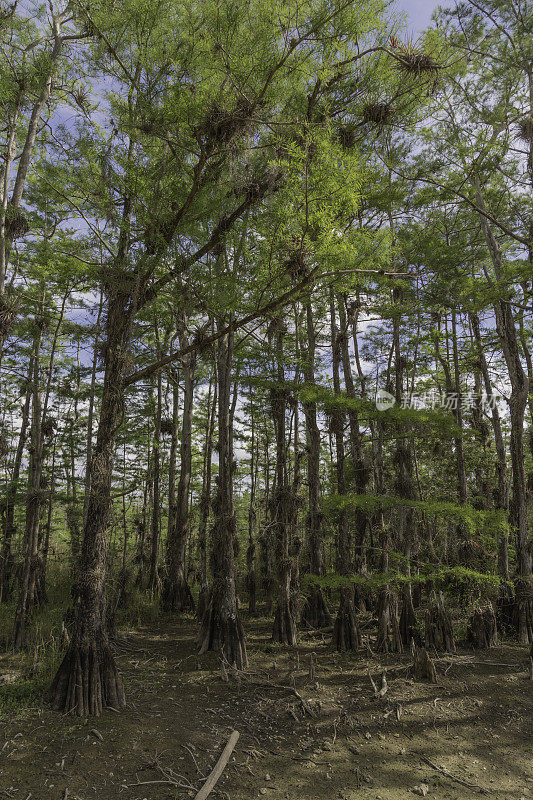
(454, 777)
(219, 767)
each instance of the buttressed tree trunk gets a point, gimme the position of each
(221, 627)
(88, 680)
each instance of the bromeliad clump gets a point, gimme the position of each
(347, 138)
(8, 314)
(525, 129)
(377, 113)
(412, 60)
(17, 224)
(418, 64)
(296, 266)
(221, 125)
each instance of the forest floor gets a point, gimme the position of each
(475, 726)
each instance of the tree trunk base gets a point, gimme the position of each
(408, 626)
(439, 629)
(505, 607)
(87, 682)
(423, 668)
(250, 586)
(346, 633)
(284, 630)
(524, 610)
(203, 599)
(315, 613)
(177, 596)
(389, 637)
(482, 631)
(223, 633)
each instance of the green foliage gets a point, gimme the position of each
(473, 519)
(435, 422)
(448, 579)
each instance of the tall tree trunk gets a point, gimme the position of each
(505, 326)
(252, 516)
(315, 613)
(361, 469)
(404, 488)
(464, 554)
(142, 525)
(221, 627)
(205, 501)
(346, 635)
(155, 523)
(501, 499)
(43, 594)
(88, 680)
(177, 595)
(265, 539)
(8, 520)
(284, 629)
(33, 500)
(90, 413)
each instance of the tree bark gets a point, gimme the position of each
(221, 628)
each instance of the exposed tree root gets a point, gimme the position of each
(87, 681)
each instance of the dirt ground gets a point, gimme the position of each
(301, 736)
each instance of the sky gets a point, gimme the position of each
(418, 12)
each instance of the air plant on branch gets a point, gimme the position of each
(412, 59)
(525, 128)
